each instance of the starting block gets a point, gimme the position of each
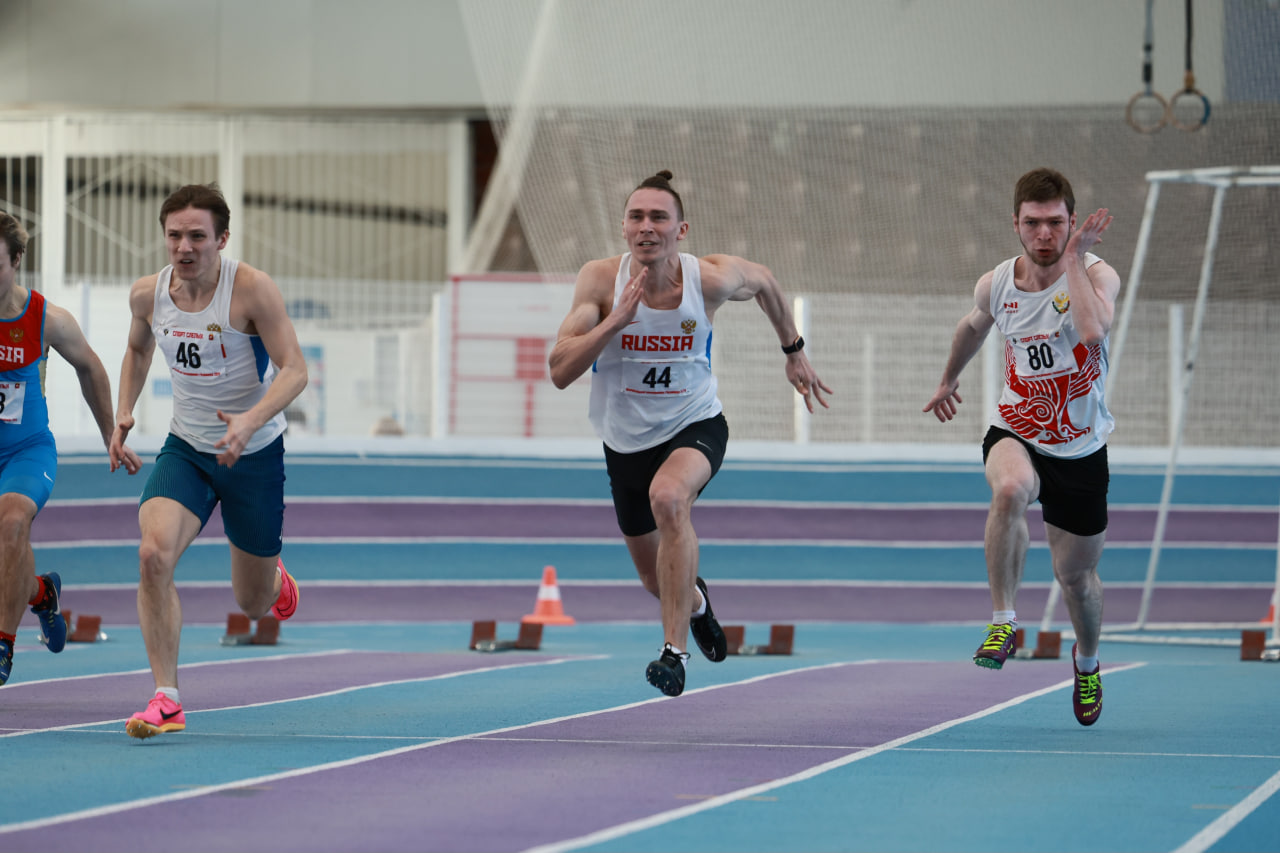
(1253, 644)
(87, 630)
(1048, 646)
(781, 640)
(484, 637)
(239, 631)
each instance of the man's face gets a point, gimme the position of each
(651, 225)
(193, 246)
(1043, 228)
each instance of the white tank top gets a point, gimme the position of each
(654, 377)
(212, 366)
(1053, 384)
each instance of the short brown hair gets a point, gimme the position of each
(662, 181)
(201, 197)
(15, 237)
(1043, 185)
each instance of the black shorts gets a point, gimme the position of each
(630, 474)
(1073, 492)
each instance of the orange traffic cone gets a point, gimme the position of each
(548, 610)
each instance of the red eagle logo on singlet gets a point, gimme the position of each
(1041, 415)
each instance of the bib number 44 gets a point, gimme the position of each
(654, 378)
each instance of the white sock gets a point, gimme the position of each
(702, 608)
(171, 693)
(677, 652)
(1085, 664)
(1001, 616)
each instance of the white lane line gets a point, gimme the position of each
(615, 832)
(1211, 834)
(145, 802)
(336, 692)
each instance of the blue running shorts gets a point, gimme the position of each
(30, 469)
(251, 491)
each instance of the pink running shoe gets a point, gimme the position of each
(287, 603)
(162, 715)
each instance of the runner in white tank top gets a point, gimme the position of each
(641, 324)
(654, 379)
(235, 363)
(212, 365)
(1054, 305)
(1053, 383)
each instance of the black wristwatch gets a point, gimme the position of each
(795, 347)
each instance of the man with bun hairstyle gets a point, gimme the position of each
(641, 323)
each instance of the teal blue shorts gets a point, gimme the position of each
(251, 491)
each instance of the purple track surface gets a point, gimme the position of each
(551, 521)
(533, 778)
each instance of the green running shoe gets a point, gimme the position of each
(1002, 641)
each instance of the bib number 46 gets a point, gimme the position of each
(188, 355)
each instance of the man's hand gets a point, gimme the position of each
(1089, 234)
(239, 431)
(800, 373)
(943, 402)
(119, 453)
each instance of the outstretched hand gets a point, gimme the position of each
(1089, 234)
(119, 453)
(944, 400)
(804, 378)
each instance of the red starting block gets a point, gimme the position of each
(1252, 644)
(484, 637)
(240, 631)
(87, 630)
(1048, 645)
(781, 640)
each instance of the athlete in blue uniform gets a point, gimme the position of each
(29, 326)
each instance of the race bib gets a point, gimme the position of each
(1043, 355)
(196, 353)
(657, 377)
(12, 397)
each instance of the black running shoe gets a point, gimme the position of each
(707, 632)
(667, 672)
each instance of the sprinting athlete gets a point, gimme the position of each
(641, 322)
(29, 326)
(235, 363)
(1054, 305)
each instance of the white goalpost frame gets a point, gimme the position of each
(1221, 179)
